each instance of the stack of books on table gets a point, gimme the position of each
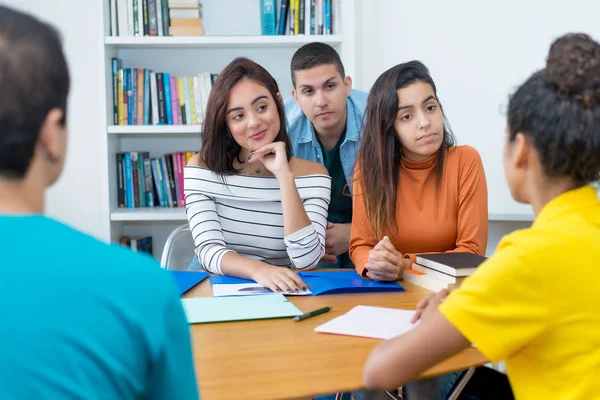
(437, 271)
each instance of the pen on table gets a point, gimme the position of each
(312, 313)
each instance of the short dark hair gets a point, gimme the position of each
(558, 108)
(219, 149)
(313, 55)
(34, 79)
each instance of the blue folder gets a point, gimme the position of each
(328, 283)
(186, 280)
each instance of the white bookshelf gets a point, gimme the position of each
(218, 41)
(148, 214)
(229, 35)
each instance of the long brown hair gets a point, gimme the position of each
(219, 149)
(380, 154)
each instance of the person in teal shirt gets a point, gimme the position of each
(80, 319)
(324, 116)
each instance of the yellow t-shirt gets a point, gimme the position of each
(536, 302)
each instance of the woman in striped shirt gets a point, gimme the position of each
(253, 209)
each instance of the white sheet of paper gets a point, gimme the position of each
(371, 322)
(247, 289)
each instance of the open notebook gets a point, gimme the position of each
(370, 322)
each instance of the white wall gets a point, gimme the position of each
(77, 198)
(478, 53)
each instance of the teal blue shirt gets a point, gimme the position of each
(80, 319)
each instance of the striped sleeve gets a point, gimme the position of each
(306, 246)
(206, 230)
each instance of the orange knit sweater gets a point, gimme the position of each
(457, 220)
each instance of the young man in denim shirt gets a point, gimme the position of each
(324, 117)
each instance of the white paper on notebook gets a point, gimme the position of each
(247, 289)
(371, 322)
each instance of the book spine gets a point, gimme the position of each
(136, 19)
(130, 18)
(120, 181)
(159, 11)
(115, 76)
(188, 110)
(312, 17)
(160, 86)
(122, 17)
(165, 181)
(148, 181)
(157, 178)
(152, 21)
(197, 97)
(134, 96)
(141, 180)
(301, 16)
(168, 100)
(146, 97)
(190, 85)
(146, 30)
(165, 17)
(154, 98)
(135, 179)
(128, 181)
(140, 97)
(306, 14)
(336, 17)
(206, 87)
(130, 81)
(327, 17)
(283, 16)
(120, 97)
(171, 181)
(176, 167)
(174, 100)
(114, 29)
(267, 11)
(181, 164)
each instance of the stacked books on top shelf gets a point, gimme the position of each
(300, 17)
(145, 97)
(155, 18)
(143, 181)
(185, 18)
(437, 271)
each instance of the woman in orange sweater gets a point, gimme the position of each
(415, 191)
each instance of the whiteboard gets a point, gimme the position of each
(478, 53)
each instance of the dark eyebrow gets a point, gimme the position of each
(410, 105)
(253, 101)
(324, 83)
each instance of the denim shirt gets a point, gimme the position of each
(304, 139)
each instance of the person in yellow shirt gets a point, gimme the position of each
(534, 303)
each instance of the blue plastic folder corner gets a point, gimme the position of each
(186, 280)
(333, 282)
(220, 309)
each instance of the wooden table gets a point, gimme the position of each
(282, 359)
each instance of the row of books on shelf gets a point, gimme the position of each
(143, 181)
(144, 97)
(155, 18)
(137, 243)
(437, 271)
(300, 17)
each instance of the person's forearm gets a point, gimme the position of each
(233, 264)
(294, 214)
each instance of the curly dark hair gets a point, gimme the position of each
(559, 109)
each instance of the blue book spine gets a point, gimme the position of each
(146, 97)
(167, 84)
(283, 16)
(129, 97)
(312, 17)
(327, 17)
(268, 17)
(134, 95)
(128, 181)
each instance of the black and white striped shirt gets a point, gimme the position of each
(244, 215)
